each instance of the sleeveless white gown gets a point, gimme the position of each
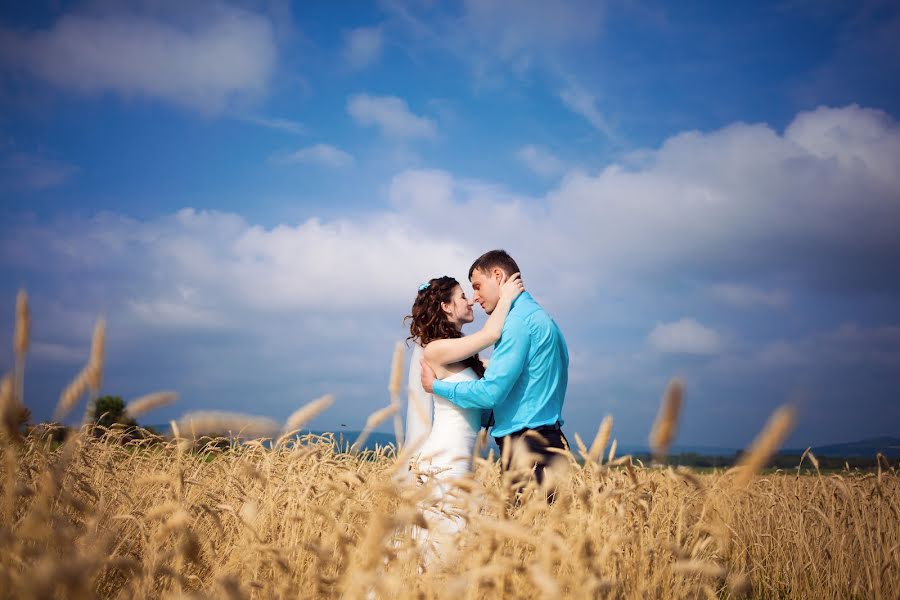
(445, 455)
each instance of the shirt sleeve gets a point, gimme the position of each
(507, 363)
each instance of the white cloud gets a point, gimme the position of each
(857, 138)
(176, 313)
(514, 24)
(520, 31)
(363, 46)
(746, 198)
(582, 102)
(391, 115)
(286, 125)
(743, 204)
(849, 344)
(747, 296)
(422, 191)
(228, 59)
(685, 336)
(206, 267)
(320, 154)
(540, 160)
(493, 36)
(742, 199)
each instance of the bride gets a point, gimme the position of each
(446, 432)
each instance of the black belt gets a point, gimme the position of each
(552, 427)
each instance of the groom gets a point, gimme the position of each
(525, 382)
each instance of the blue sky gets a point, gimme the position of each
(251, 193)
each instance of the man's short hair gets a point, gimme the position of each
(494, 259)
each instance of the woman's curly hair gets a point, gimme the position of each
(429, 322)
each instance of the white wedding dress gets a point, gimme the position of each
(447, 434)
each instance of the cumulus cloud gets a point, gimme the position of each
(685, 336)
(200, 263)
(227, 59)
(540, 160)
(746, 199)
(320, 154)
(815, 207)
(363, 46)
(748, 296)
(391, 115)
(742, 202)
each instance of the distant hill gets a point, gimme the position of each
(889, 446)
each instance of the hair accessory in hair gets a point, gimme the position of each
(424, 286)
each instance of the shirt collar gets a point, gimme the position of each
(525, 295)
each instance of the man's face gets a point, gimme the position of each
(487, 288)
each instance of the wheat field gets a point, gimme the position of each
(102, 518)
(123, 516)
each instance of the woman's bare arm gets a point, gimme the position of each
(449, 351)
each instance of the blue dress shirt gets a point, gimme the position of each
(525, 382)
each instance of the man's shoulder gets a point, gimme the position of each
(540, 320)
(530, 311)
(541, 324)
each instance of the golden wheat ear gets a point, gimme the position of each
(667, 419)
(201, 423)
(148, 402)
(21, 341)
(595, 454)
(374, 420)
(303, 415)
(765, 445)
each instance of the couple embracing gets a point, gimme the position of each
(451, 392)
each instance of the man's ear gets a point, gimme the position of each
(498, 274)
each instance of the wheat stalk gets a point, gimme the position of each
(95, 363)
(71, 395)
(304, 414)
(667, 419)
(8, 408)
(23, 324)
(373, 421)
(148, 402)
(595, 454)
(779, 425)
(21, 341)
(222, 422)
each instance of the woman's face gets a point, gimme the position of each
(459, 308)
